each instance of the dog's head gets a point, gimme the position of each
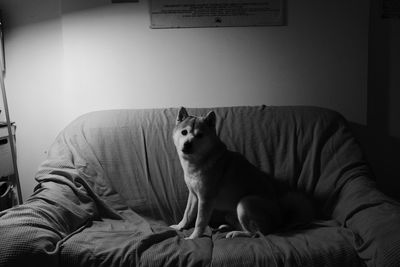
(195, 137)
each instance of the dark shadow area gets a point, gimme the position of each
(383, 154)
(382, 149)
(18, 13)
(379, 56)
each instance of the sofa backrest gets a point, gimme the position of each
(129, 160)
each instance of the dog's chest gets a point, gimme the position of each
(201, 181)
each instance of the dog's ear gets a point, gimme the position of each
(211, 119)
(182, 115)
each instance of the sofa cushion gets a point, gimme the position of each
(141, 242)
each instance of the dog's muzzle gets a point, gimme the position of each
(187, 148)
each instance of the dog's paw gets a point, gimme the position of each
(224, 227)
(193, 235)
(177, 227)
(234, 234)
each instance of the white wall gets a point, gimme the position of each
(33, 44)
(113, 59)
(105, 56)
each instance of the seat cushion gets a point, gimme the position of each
(137, 241)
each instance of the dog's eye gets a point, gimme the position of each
(184, 132)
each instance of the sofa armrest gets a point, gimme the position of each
(374, 219)
(31, 233)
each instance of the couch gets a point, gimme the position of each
(112, 183)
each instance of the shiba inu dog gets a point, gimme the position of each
(222, 180)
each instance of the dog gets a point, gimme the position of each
(220, 180)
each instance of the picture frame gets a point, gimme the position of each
(214, 13)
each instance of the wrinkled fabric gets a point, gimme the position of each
(112, 183)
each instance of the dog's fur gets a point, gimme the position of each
(222, 180)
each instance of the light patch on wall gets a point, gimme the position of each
(35, 92)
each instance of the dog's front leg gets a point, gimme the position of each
(189, 214)
(204, 211)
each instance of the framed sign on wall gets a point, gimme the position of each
(391, 9)
(216, 13)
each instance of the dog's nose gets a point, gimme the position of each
(187, 147)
